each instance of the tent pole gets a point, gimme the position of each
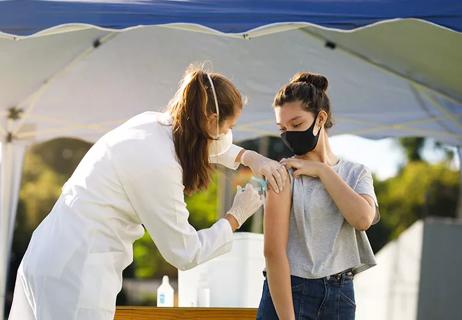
(459, 201)
(11, 161)
(257, 219)
(4, 223)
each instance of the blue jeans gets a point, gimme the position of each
(320, 299)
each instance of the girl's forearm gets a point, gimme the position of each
(278, 276)
(353, 207)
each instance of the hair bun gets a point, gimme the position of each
(317, 80)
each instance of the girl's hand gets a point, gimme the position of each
(304, 167)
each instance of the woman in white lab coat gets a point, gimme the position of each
(137, 175)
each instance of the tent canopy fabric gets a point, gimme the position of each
(228, 16)
(397, 78)
(71, 71)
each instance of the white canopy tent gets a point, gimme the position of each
(391, 79)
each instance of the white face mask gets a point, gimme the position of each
(223, 141)
(221, 145)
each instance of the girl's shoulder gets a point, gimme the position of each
(352, 169)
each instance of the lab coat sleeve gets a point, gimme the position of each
(156, 195)
(228, 159)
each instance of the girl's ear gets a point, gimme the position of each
(322, 119)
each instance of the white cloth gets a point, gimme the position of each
(73, 266)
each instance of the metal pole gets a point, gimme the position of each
(459, 201)
(257, 219)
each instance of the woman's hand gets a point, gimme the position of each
(304, 167)
(272, 171)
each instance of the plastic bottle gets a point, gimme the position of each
(165, 294)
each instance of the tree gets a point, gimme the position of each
(418, 191)
(413, 147)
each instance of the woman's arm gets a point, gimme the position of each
(260, 165)
(276, 225)
(153, 183)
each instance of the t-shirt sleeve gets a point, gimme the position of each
(365, 186)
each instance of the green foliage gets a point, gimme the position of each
(148, 260)
(40, 188)
(149, 300)
(203, 206)
(419, 191)
(413, 146)
(63, 155)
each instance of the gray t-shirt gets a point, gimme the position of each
(321, 242)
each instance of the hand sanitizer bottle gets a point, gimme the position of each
(165, 294)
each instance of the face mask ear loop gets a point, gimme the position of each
(216, 104)
(314, 123)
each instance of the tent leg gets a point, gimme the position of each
(11, 160)
(257, 219)
(459, 201)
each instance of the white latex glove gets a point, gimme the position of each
(246, 203)
(274, 172)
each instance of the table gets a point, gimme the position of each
(151, 313)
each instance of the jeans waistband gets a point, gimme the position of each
(341, 275)
(337, 276)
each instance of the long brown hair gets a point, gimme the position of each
(310, 89)
(190, 107)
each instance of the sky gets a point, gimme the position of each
(384, 156)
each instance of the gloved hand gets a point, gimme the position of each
(274, 172)
(246, 203)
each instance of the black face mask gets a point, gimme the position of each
(301, 142)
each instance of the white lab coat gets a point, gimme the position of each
(73, 265)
